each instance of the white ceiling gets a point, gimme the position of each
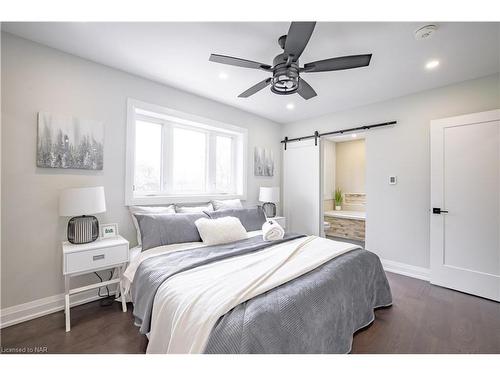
(177, 54)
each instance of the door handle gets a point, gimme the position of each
(438, 211)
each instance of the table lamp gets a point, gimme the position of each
(270, 196)
(81, 203)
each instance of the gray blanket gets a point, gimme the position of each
(315, 313)
(154, 271)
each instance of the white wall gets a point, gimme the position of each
(398, 215)
(350, 166)
(36, 78)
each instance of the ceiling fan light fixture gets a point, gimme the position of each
(285, 79)
(284, 84)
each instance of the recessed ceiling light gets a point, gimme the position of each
(223, 75)
(432, 64)
(290, 106)
(354, 135)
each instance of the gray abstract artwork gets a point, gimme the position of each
(263, 162)
(69, 142)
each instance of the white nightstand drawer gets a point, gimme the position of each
(92, 259)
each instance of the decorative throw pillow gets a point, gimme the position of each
(160, 230)
(251, 218)
(148, 210)
(225, 204)
(191, 209)
(222, 230)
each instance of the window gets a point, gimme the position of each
(189, 159)
(223, 162)
(147, 156)
(176, 157)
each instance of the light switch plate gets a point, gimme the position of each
(393, 180)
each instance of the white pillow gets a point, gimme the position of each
(148, 210)
(222, 230)
(190, 209)
(228, 203)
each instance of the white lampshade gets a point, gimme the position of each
(269, 194)
(82, 201)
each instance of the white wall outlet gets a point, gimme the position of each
(393, 180)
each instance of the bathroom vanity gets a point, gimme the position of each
(346, 224)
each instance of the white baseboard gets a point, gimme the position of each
(44, 306)
(421, 273)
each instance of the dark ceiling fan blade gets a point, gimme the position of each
(238, 62)
(297, 38)
(255, 88)
(338, 63)
(305, 90)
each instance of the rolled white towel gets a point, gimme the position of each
(272, 231)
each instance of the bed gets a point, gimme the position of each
(300, 294)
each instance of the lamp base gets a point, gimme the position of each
(269, 209)
(83, 229)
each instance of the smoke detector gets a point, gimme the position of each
(425, 32)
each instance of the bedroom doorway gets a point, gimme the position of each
(344, 187)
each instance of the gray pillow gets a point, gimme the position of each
(160, 230)
(148, 210)
(226, 204)
(251, 218)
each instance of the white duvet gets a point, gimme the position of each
(188, 304)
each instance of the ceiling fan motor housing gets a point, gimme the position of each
(285, 75)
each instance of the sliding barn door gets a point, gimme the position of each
(465, 203)
(302, 187)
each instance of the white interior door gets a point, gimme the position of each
(465, 181)
(302, 187)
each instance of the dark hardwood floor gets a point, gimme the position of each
(423, 319)
(429, 319)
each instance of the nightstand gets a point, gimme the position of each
(102, 254)
(281, 220)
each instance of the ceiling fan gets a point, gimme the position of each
(286, 71)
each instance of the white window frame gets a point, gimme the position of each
(170, 118)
